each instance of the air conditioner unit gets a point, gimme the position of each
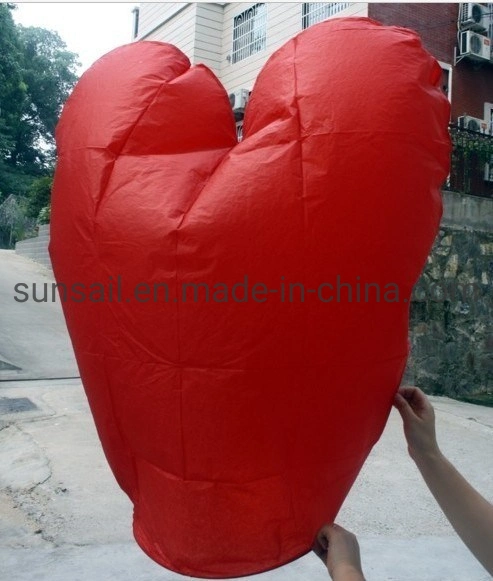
(473, 123)
(239, 99)
(475, 46)
(473, 17)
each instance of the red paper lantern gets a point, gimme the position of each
(237, 419)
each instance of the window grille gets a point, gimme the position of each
(239, 130)
(135, 31)
(490, 27)
(249, 32)
(488, 171)
(314, 12)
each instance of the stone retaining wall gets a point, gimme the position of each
(451, 316)
(451, 312)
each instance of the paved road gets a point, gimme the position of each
(63, 517)
(33, 338)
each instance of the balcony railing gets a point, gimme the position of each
(471, 170)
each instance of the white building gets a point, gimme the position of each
(233, 39)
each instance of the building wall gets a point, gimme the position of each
(208, 37)
(282, 24)
(154, 14)
(435, 23)
(173, 23)
(472, 84)
(204, 32)
(284, 20)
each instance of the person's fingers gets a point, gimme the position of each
(321, 544)
(319, 551)
(416, 399)
(421, 405)
(323, 536)
(410, 392)
(403, 407)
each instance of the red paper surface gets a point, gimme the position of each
(238, 428)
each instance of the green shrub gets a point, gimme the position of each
(44, 215)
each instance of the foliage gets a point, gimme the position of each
(14, 180)
(12, 89)
(48, 72)
(37, 73)
(14, 225)
(44, 215)
(38, 195)
(471, 151)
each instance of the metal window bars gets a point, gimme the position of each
(239, 130)
(313, 12)
(471, 170)
(249, 32)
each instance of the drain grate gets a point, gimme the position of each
(9, 405)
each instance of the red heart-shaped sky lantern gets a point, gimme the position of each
(236, 414)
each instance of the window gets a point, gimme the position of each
(444, 85)
(314, 12)
(488, 170)
(239, 130)
(135, 30)
(249, 32)
(446, 80)
(488, 117)
(489, 11)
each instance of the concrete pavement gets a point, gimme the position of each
(63, 517)
(33, 336)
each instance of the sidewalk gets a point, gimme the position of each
(63, 517)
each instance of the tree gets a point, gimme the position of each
(37, 73)
(38, 195)
(13, 222)
(12, 89)
(49, 73)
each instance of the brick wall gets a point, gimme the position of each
(435, 23)
(472, 87)
(472, 84)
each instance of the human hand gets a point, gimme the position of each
(339, 551)
(418, 417)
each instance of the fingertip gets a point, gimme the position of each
(323, 536)
(399, 400)
(407, 390)
(317, 549)
(403, 407)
